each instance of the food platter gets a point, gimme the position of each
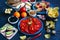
(32, 18)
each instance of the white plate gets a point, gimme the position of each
(12, 34)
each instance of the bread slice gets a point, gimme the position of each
(9, 33)
(3, 29)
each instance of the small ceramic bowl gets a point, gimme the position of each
(32, 13)
(13, 20)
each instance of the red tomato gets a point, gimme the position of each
(22, 30)
(36, 21)
(23, 21)
(31, 28)
(26, 29)
(26, 20)
(23, 9)
(31, 32)
(23, 24)
(36, 28)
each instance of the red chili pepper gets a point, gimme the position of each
(36, 36)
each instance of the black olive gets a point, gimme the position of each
(13, 19)
(13, 30)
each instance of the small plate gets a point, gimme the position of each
(3, 33)
(43, 11)
(16, 9)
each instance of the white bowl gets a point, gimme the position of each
(34, 15)
(12, 22)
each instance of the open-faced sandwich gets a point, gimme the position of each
(10, 28)
(9, 33)
(3, 29)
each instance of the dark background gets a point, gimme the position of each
(3, 20)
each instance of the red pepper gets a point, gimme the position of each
(36, 36)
